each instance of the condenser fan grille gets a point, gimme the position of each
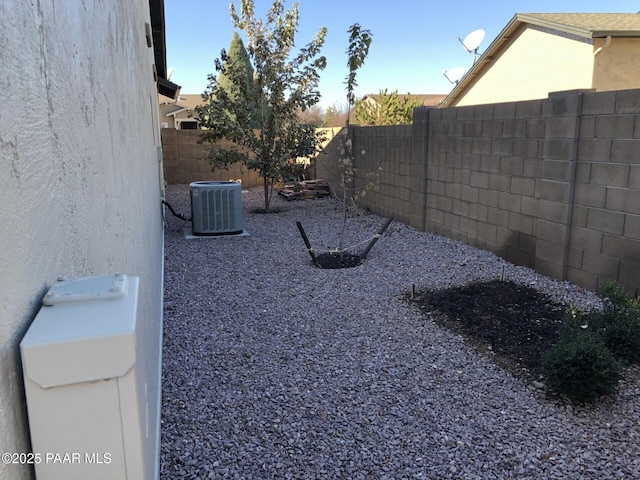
(216, 208)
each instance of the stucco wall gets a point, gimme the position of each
(617, 65)
(534, 63)
(80, 183)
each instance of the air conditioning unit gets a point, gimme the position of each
(216, 208)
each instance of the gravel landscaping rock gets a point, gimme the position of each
(276, 369)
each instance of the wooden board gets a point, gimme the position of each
(305, 189)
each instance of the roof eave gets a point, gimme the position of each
(574, 30)
(615, 33)
(165, 87)
(175, 112)
(541, 22)
(168, 88)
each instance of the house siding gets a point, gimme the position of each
(81, 182)
(617, 65)
(532, 64)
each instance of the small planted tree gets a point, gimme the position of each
(260, 117)
(389, 109)
(357, 51)
(359, 42)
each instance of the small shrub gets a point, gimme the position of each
(594, 345)
(618, 324)
(580, 366)
(614, 296)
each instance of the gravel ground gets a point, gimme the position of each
(274, 369)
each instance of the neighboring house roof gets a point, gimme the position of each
(190, 100)
(585, 25)
(428, 99)
(589, 25)
(186, 102)
(173, 109)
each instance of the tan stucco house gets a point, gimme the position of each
(180, 113)
(538, 53)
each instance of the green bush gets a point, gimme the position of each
(580, 366)
(614, 296)
(586, 361)
(618, 324)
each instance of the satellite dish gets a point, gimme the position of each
(454, 75)
(472, 42)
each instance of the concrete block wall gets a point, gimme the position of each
(390, 159)
(383, 158)
(326, 166)
(552, 184)
(561, 116)
(605, 235)
(185, 161)
(483, 170)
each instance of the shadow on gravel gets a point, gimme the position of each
(511, 323)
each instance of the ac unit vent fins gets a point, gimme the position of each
(216, 208)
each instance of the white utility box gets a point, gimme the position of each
(85, 388)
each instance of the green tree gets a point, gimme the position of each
(237, 60)
(262, 123)
(390, 109)
(335, 116)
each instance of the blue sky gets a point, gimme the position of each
(413, 40)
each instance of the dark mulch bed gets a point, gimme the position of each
(512, 323)
(334, 260)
